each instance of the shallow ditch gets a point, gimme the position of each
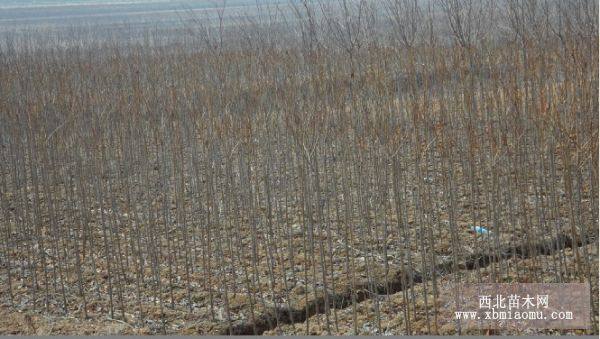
(397, 282)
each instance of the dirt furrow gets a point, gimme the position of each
(398, 281)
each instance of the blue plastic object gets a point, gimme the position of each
(480, 230)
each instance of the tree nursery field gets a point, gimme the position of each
(317, 167)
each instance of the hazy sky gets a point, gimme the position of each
(49, 13)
